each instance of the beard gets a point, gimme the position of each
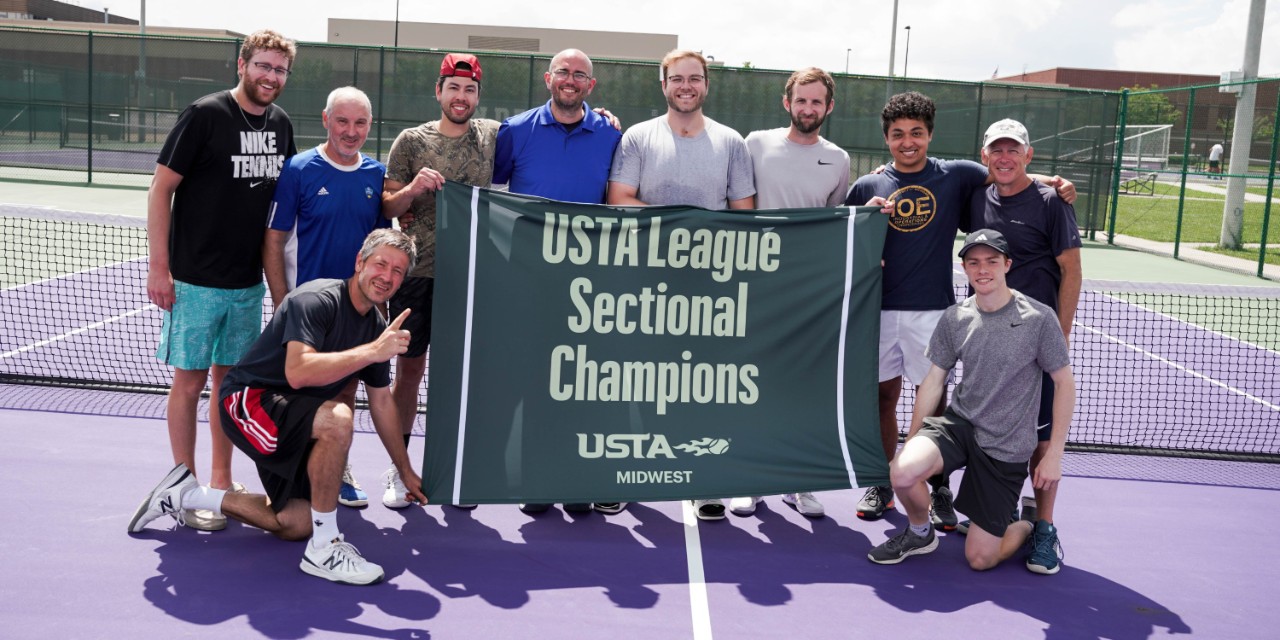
(256, 94)
(675, 105)
(810, 126)
(459, 119)
(567, 105)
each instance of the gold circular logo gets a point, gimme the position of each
(913, 208)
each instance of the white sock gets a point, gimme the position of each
(202, 497)
(324, 528)
(921, 530)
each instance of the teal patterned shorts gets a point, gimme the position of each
(209, 326)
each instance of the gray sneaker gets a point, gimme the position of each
(165, 499)
(942, 514)
(875, 502)
(897, 548)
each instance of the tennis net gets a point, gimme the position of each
(1161, 369)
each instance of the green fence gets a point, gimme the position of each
(91, 107)
(1166, 190)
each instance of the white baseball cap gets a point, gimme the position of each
(1011, 129)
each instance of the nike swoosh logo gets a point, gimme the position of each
(1016, 324)
(255, 184)
(821, 162)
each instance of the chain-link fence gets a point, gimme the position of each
(1181, 195)
(91, 107)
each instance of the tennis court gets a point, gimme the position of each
(1154, 545)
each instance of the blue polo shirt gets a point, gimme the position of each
(538, 156)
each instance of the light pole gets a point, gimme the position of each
(396, 38)
(846, 60)
(906, 56)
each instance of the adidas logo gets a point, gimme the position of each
(323, 192)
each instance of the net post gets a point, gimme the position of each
(382, 83)
(1271, 185)
(1182, 192)
(89, 103)
(1115, 174)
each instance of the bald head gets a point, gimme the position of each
(570, 80)
(562, 59)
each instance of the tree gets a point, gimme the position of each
(1150, 108)
(1263, 128)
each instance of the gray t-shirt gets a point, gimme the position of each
(708, 170)
(1003, 352)
(793, 175)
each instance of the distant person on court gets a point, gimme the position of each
(1215, 159)
(328, 199)
(684, 158)
(206, 212)
(456, 147)
(560, 151)
(795, 167)
(925, 199)
(280, 406)
(1044, 244)
(1005, 339)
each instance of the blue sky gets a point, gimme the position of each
(950, 40)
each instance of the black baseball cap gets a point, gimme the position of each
(988, 237)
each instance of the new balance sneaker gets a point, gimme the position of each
(897, 548)
(534, 507)
(875, 502)
(1046, 552)
(744, 506)
(396, 495)
(610, 508)
(712, 509)
(340, 561)
(165, 499)
(350, 494)
(207, 520)
(942, 514)
(805, 504)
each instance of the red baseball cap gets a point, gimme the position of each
(470, 66)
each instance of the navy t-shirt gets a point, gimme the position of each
(1039, 227)
(320, 314)
(922, 231)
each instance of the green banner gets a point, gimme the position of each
(583, 353)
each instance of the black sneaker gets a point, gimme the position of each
(577, 507)
(610, 508)
(1046, 552)
(941, 512)
(534, 507)
(897, 548)
(875, 502)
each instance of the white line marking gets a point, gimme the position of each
(840, 355)
(697, 580)
(466, 347)
(100, 323)
(64, 276)
(1186, 322)
(1181, 368)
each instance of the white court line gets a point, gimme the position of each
(1181, 368)
(73, 274)
(1188, 323)
(697, 580)
(101, 323)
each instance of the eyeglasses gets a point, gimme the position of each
(694, 79)
(266, 68)
(578, 76)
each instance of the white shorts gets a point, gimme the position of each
(904, 336)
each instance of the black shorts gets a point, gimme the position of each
(1044, 421)
(990, 488)
(1214, 164)
(415, 293)
(274, 430)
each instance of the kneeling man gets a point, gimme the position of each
(1005, 340)
(280, 406)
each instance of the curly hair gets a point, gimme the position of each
(910, 106)
(268, 40)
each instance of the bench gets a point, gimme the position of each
(1138, 183)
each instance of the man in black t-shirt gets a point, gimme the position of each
(280, 406)
(206, 215)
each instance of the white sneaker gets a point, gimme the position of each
(712, 509)
(165, 499)
(396, 495)
(744, 506)
(805, 503)
(340, 561)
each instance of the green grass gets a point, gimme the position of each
(1155, 217)
(1273, 254)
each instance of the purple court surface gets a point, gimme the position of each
(1154, 548)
